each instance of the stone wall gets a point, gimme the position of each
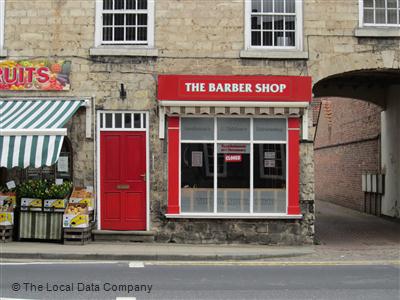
(192, 37)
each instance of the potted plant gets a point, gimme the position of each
(57, 196)
(31, 193)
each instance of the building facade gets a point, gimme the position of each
(119, 52)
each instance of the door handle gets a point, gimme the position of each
(143, 176)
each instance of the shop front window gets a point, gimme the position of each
(233, 165)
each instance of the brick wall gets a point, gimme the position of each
(346, 145)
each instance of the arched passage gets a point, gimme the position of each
(380, 87)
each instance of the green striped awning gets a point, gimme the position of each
(31, 133)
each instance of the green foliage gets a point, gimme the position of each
(60, 191)
(43, 189)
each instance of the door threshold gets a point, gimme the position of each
(123, 232)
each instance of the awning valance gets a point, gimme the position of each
(31, 131)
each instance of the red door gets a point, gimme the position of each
(123, 180)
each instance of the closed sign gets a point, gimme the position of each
(233, 157)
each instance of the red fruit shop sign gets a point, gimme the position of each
(34, 75)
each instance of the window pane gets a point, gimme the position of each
(107, 4)
(290, 23)
(267, 22)
(256, 6)
(119, 19)
(130, 4)
(107, 34)
(144, 120)
(368, 3)
(278, 22)
(267, 5)
(233, 129)
(380, 3)
(256, 38)
(380, 16)
(269, 129)
(392, 4)
(142, 4)
(233, 178)
(142, 34)
(368, 16)
(136, 120)
(392, 16)
(279, 39)
(131, 33)
(118, 33)
(142, 19)
(197, 177)
(267, 38)
(197, 129)
(290, 6)
(128, 120)
(269, 178)
(290, 39)
(279, 5)
(256, 22)
(130, 19)
(118, 120)
(109, 121)
(119, 4)
(107, 19)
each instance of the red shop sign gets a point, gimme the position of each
(233, 158)
(234, 88)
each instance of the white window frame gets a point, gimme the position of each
(361, 17)
(251, 142)
(2, 23)
(298, 32)
(99, 29)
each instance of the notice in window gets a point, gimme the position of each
(197, 159)
(62, 165)
(234, 148)
(269, 155)
(269, 163)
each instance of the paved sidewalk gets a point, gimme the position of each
(151, 251)
(343, 234)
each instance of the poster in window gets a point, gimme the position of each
(197, 159)
(269, 155)
(62, 165)
(269, 163)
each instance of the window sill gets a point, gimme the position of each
(274, 54)
(123, 51)
(232, 216)
(3, 52)
(379, 32)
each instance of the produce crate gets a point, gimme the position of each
(6, 232)
(77, 236)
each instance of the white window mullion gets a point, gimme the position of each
(215, 166)
(251, 166)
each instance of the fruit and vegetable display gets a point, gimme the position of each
(44, 75)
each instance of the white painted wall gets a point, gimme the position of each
(390, 130)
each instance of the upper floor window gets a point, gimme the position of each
(273, 24)
(380, 12)
(125, 22)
